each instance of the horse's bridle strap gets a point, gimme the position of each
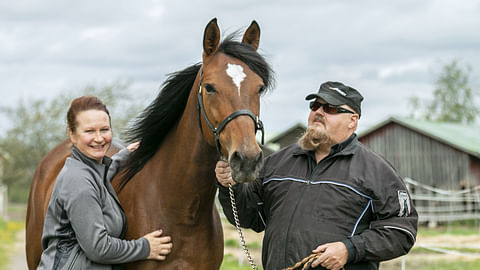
(216, 130)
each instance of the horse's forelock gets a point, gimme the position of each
(247, 54)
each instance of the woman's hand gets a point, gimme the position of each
(224, 174)
(133, 146)
(160, 246)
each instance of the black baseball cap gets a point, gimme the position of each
(336, 93)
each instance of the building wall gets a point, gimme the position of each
(475, 170)
(420, 157)
(290, 137)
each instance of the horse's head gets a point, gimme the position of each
(232, 79)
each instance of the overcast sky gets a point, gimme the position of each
(388, 50)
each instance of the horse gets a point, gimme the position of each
(203, 113)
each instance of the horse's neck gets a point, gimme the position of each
(186, 150)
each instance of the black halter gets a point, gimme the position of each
(216, 130)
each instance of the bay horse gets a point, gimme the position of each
(205, 112)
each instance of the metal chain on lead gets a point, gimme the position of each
(239, 230)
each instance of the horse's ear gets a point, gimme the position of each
(252, 35)
(211, 37)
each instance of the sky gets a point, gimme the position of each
(388, 50)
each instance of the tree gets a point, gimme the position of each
(39, 125)
(453, 98)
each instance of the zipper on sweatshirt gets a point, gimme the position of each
(312, 168)
(74, 259)
(289, 227)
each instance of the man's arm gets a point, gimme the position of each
(391, 234)
(247, 197)
(393, 231)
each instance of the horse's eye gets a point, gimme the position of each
(209, 88)
(261, 90)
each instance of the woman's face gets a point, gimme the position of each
(93, 135)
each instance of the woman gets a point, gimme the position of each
(85, 223)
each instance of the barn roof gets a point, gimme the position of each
(278, 137)
(461, 136)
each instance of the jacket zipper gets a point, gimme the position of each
(309, 180)
(74, 260)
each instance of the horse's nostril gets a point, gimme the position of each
(259, 157)
(236, 160)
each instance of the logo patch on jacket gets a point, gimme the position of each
(404, 201)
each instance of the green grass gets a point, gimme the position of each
(445, 265)
(17, 211)
(451, 230)
(236, 243)
(231, 263)
(7, 238)
(421, 250)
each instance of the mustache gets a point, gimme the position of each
(318, 118)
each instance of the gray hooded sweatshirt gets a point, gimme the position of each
(85, 223)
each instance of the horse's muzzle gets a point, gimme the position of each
(244, 167)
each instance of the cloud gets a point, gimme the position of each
(380, 48)
(401, 69)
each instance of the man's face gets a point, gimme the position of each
(336, 126)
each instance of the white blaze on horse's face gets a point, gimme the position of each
(236, 73)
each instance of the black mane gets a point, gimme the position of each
(154, 123)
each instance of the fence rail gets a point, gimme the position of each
(436, 205)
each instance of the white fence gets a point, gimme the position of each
(3, 202)
(442, 206)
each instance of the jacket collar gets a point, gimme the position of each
(78, 155)
(346, 147)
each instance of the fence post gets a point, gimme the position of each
(3, 202)
(432, 222)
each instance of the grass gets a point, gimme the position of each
(236, 243)
(422, 250)
(7, 238)
(231, 263)
(17, 211)
(439, 265)
(452, 230)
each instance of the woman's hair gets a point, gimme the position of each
(81, 104)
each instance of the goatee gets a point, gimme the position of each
(314, 139)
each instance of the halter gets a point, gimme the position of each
(216, 130)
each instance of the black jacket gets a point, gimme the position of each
(353, 195)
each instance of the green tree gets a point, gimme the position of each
(39, 125)
(453, 98)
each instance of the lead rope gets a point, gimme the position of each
(239, 230)
(306, 262)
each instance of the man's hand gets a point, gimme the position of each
(334, 256)
(224, 174)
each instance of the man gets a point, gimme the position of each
(328, 194)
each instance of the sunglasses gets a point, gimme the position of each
(328, 108)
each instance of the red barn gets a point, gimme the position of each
(438, 154)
